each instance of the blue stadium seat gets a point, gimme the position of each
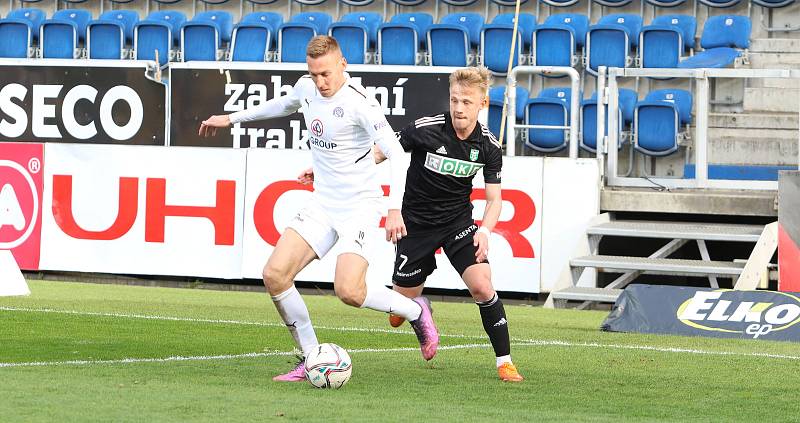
(150, 37)
(173, 18)
(588, 121)
(663, 43)
(448, 45)
(658, 121)
(105, 39)
(321, 21)
(473, 22)
(556, 41)
(293, 38)
(127, 18)
(496, 46)
(420, 20)
(402, 44)
(686, 23)
(371, 19)
(722, 37)
(251, 42)
(611, 40)
(17, 38)
(551, 107)
(274, 20)
(223, 19)
(33, 16)
(79, 16)
(199, 41)
(496, 99)
(526, 26)
(579, 24)
(58, 39)
(353, 39)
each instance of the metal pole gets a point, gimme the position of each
(574, 115)
(511, 118)
(613, 115)
(701, 133)
(601, 118)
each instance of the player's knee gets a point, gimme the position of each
(275, 278)
(350, 295)
(482, 291)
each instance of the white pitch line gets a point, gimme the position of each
(521, 342)
(223, 356)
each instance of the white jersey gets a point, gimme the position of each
(341, 131)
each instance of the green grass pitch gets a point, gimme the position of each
(85, 352)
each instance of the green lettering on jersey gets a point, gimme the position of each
(453, 167)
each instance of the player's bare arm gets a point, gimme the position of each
(208, 128)
(494, 204)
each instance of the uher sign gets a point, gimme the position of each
(719, 313)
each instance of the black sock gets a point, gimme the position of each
(496, 326)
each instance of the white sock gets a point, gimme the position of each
(383, 299)
(503, 359)
(294, 313)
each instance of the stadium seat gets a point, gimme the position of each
(420, 20)
(473, 22)
(150, 37)
(722, 37)
(496, 45)
(199, 41)
(658, 121)
(251, 42)
(353, 39)
(550, 107)
(321, 21)
(58, 39)
(223, 19)
(526, 26)
(448, 45)
(173, 18)
(402, 44)
(371, 19)
(496, 99)
(665, 3)
(611, 40)
(79, 16)
(274, 20)
(34, 17)
(17, 38)
(663, 43)
(105, 39)
(128, 18)
(293, 37)
(556, 41)
(720, 4)
(588, 121)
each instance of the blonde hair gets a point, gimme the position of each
(478, 77)
(322, 45)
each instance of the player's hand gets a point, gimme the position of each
(481, 240)
(395, 227)
(306, 177)
(208, 128)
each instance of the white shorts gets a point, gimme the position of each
(323, 227)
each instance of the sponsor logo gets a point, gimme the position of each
(20, 202)
(338, 112)
(442, 150)
(501, 322)
(409, 274)
(473, 154)
(465, 232)
(452, 167)
(316, 127)
(723, 311)
(327, 145)
(380, 125)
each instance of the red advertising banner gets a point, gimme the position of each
(21, 169)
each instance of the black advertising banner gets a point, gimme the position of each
(81, 101)
(719, 313)
(199, 90)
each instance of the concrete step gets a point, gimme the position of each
(753, 134)
(774, 60)
(678, 230)
(771, 99)
(775, 45)
(661, 266)
(744, 146)
(754, 120)
(579, 293)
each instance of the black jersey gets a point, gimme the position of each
(439, 182)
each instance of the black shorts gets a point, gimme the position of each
(416, 252)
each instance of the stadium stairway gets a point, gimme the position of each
(677, 234)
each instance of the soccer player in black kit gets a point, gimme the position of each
(447, 151)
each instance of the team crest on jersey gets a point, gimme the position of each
(453, 167)
(338, 112)
(316, 127)
(473, 154)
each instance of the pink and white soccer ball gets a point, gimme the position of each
(328, 366)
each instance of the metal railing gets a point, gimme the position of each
(511, 117)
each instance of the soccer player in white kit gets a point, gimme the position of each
(343, 124)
